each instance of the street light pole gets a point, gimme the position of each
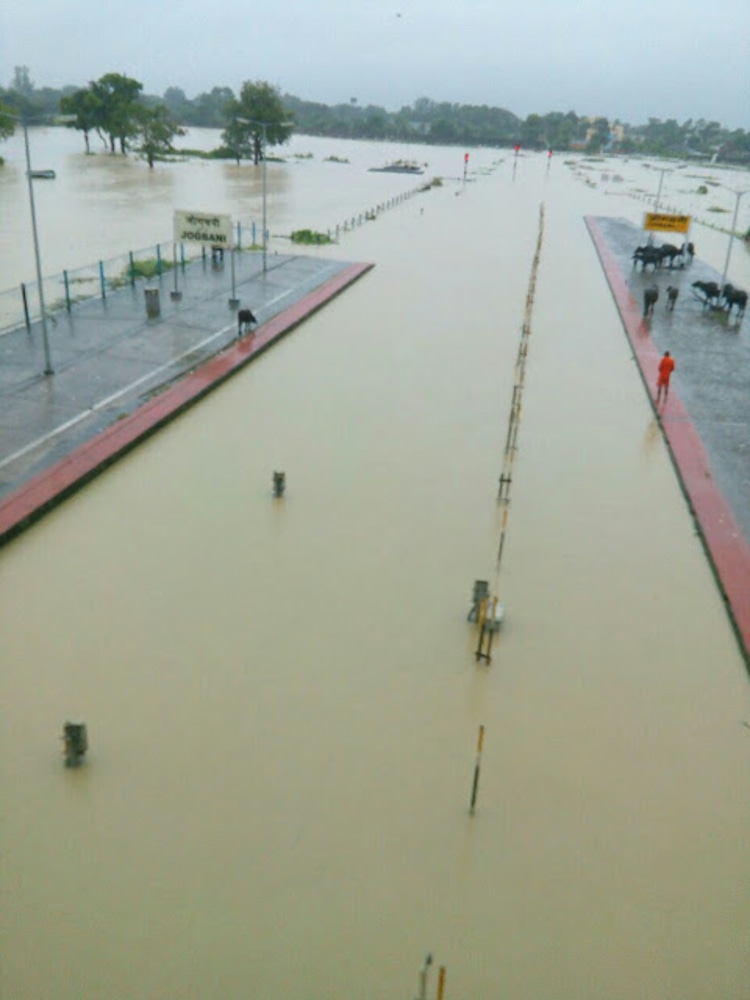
(265, 231)
(48, 369)
(662, 171)
(263, 126)
(738, 195)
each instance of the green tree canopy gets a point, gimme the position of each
(7, 122)
(117, 98)
(86, 107)
(533, 131)
(599, 136)
(257, 116)
(208, 110)
(157, 129)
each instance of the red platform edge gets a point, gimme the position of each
(727, 549)
(20, 509)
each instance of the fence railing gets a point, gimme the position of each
(20, 306)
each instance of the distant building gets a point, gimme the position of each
(616, 134)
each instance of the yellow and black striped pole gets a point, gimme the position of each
(441, 983)
(475, 786)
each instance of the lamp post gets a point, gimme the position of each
(263, 126)
(423, 978)
(265, 230)
(48, 369)
(662, 171)
(738, 195)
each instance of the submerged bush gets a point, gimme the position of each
(309, 237)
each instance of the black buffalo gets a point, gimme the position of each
(670, 253)
(672, 294)
(650, 298)
(734, 297)
(711, 291)
(647, 256)
(245, 319)
(687, 250)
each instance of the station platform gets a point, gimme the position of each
(120, 373)
(706, 420)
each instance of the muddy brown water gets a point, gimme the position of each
(282, 697)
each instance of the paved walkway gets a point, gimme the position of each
(706, 421)
(119, 375)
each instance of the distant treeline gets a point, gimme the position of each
(427, 121)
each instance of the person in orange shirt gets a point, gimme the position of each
(666, 367)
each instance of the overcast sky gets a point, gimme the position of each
(626, 59)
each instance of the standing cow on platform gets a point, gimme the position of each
(650, 298)
(687, 250)
(647, 256)
(245, 319)
(711, 292)
(734, 297)
(669, 253)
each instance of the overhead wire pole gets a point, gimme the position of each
(662, 171)
(263, 126)
(265, 230)
(738, 195)
(48, 369)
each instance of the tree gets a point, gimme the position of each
(117, 98)
(257, 116)
(157, 130)
(85, 105)
(209, 110)
(599, 136)
(175, 100)
(375, 122)
(7, 122)
(238, 139)
(443, 130)
(533, 131)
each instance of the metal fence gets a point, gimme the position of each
(20, 306)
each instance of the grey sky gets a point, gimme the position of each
(625, 59)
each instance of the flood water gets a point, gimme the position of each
(282, 697)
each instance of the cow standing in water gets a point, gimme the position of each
(650, 298)
(672, 294)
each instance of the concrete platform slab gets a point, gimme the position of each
(57, 432)
(706, 421)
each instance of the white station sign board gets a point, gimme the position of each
(207, 228)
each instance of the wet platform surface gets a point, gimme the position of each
(706, 420)
(120, 374)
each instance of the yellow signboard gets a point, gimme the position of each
(657, 223)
